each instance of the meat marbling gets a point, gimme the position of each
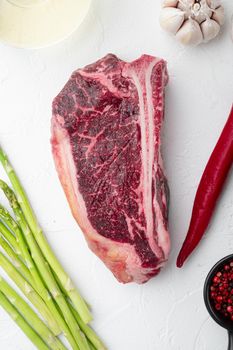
(106, 145)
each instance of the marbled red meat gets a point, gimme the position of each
(106, 145)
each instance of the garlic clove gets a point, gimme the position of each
(170, 3)
(171, 19)
(210, 29)
(219, 15)
(201, 17)
(186, 6)
(190, 33)
(213, 4)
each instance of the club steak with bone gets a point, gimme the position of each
(106, 128)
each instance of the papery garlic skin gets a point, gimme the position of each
(190, 33)
(171, 19)
(202, 17)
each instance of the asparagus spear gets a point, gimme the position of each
(20, 244)
(30, 316)
(44, 293)
(26, 328)
(91, 346)
(90, 334)
(11, 224)
(70, 294)
(94, 341)
(17, 262)
(6, 233)
(28, 291)
(45, 273)
(92, 337)
(74, 295)
(88, 331)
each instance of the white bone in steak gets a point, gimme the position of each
(106, 145)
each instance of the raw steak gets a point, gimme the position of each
(106, 146)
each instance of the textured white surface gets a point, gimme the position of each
(167, 313)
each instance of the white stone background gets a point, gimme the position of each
(167, 313)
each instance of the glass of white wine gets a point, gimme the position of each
(40, 23)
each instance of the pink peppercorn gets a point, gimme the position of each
(216, 280)
(219, 298)
(221, 291)
(230, 309)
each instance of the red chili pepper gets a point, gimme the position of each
(209, 189)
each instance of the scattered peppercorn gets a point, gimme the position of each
(221, 291)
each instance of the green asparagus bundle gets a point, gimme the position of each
(30, 262)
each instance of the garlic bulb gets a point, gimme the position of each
(192, 21)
